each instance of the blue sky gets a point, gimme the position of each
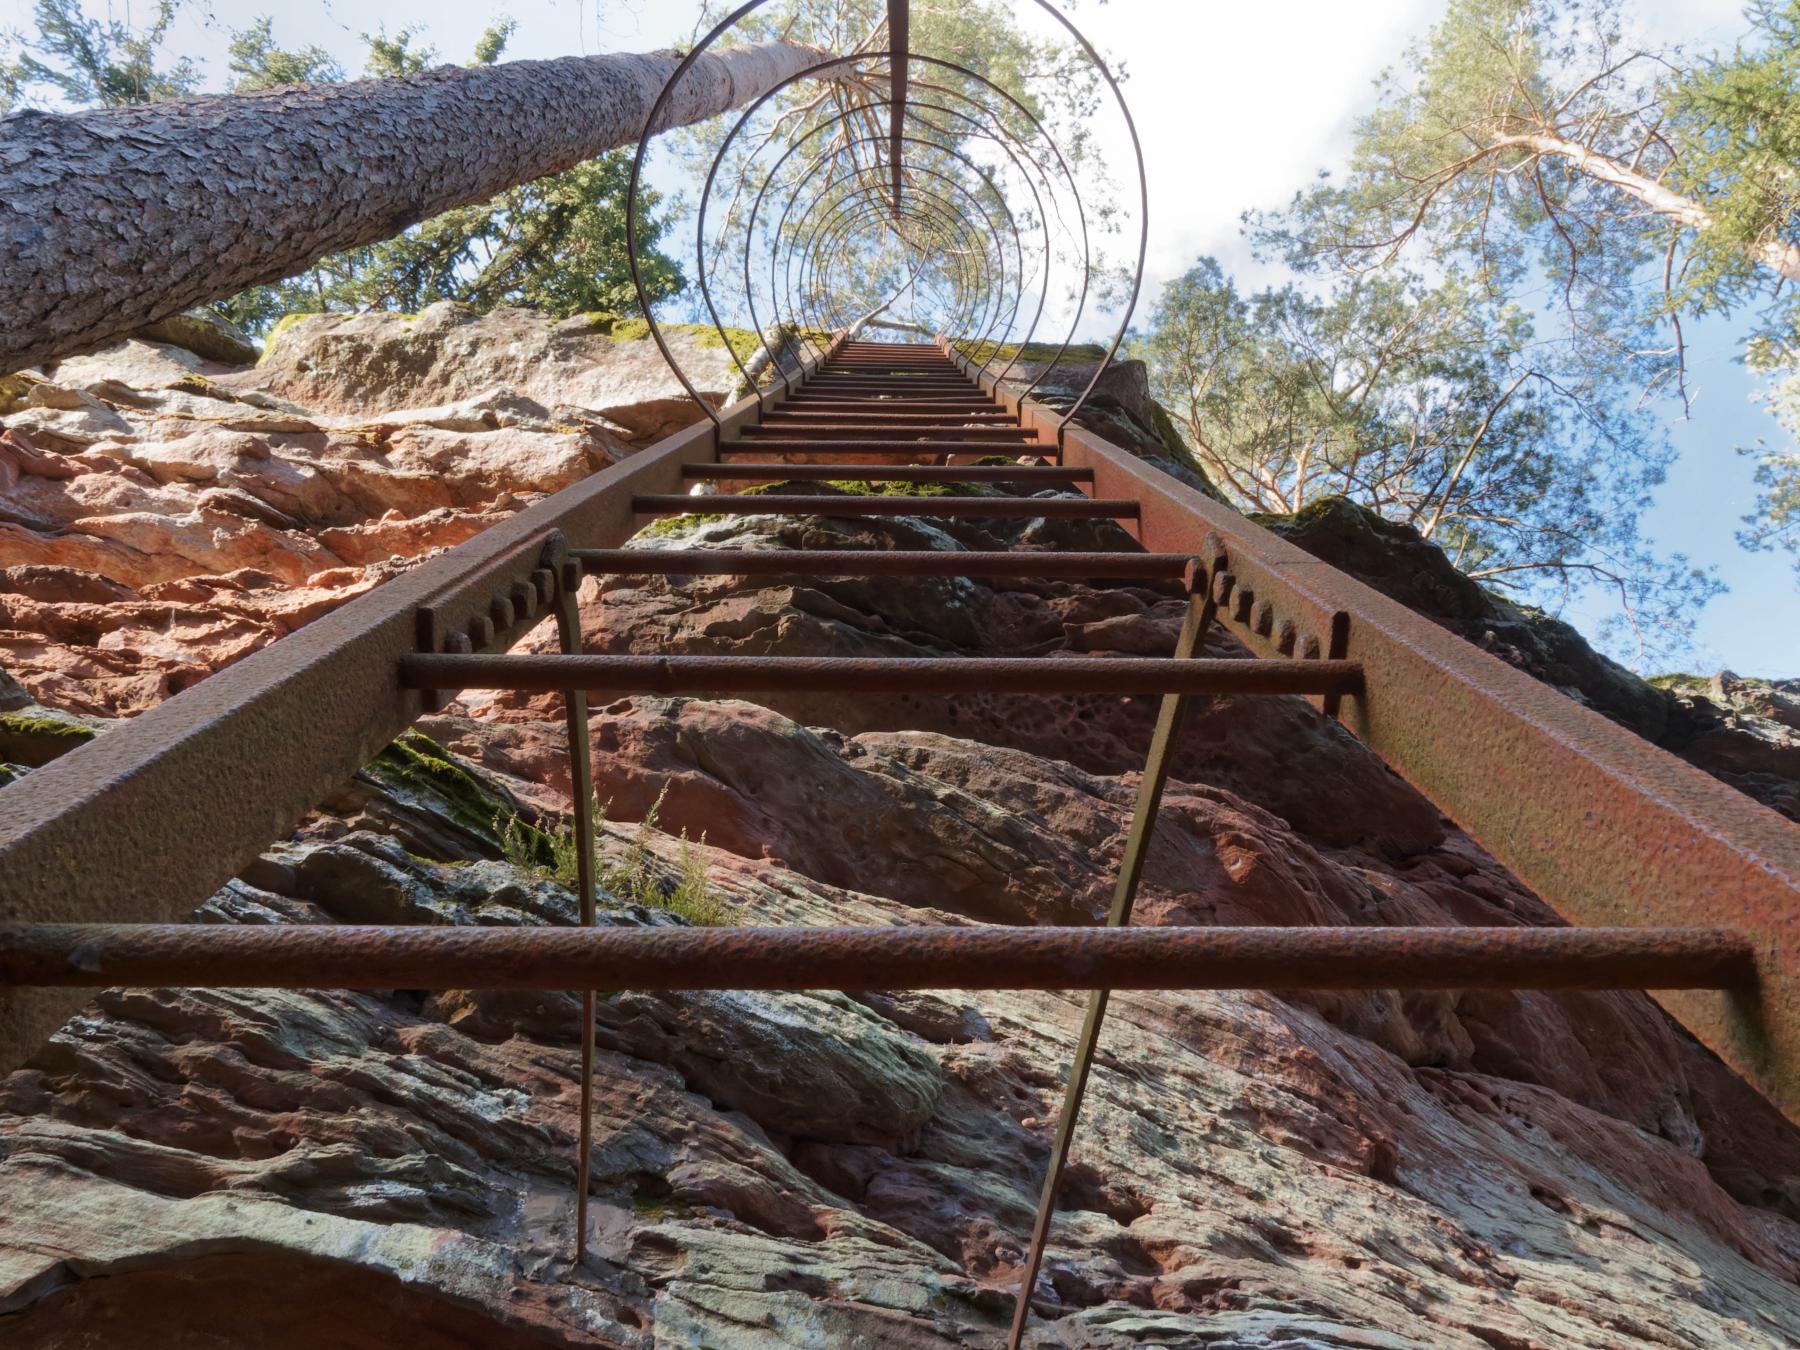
(1238, 105)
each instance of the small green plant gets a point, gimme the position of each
(554, 854)
(693, 898)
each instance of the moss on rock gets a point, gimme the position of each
(629, 330)
(13, 389)
(415, 763)
(35, 736)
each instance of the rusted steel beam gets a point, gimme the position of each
(1605, 826)
(1121, 675)
(228, 956)
(639, 562)
(148, 820)
(893, 473)
(677, 504)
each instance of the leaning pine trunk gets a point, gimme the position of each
(111, 220)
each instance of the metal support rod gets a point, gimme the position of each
(581, 789)
(899, 45)
(1122, 675)
(415, 956)
(639, 562)
(1201, 612)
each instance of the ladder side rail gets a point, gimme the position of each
(1608, 828)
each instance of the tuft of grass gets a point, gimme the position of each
(692, 896)
(638, 877)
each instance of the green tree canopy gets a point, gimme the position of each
(1431, 404)
(87, 61)
(1538, 149)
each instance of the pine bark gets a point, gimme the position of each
(114, 219)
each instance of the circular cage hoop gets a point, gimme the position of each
(651, 126)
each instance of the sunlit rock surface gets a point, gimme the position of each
(162, 515)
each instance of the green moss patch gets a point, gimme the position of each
(668, 525)
(13, 389)
(629, 330)
(744, 344)
(33, 736)
(416, 764)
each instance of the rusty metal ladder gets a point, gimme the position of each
(1656, 829)
(910, 404)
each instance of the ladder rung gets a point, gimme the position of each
(946, 445)
(836, 453)
(941, 387)
(894, 402)
(415, 956)
(787, 413)
(810, 562)
(784, 504)
(891, 473)
(949, 381)
(844, 430)
(1120, 675)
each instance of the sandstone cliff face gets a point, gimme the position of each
(162, 515)
(181, 1167)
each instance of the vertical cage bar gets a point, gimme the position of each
(1201, 612)
(581, 789)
